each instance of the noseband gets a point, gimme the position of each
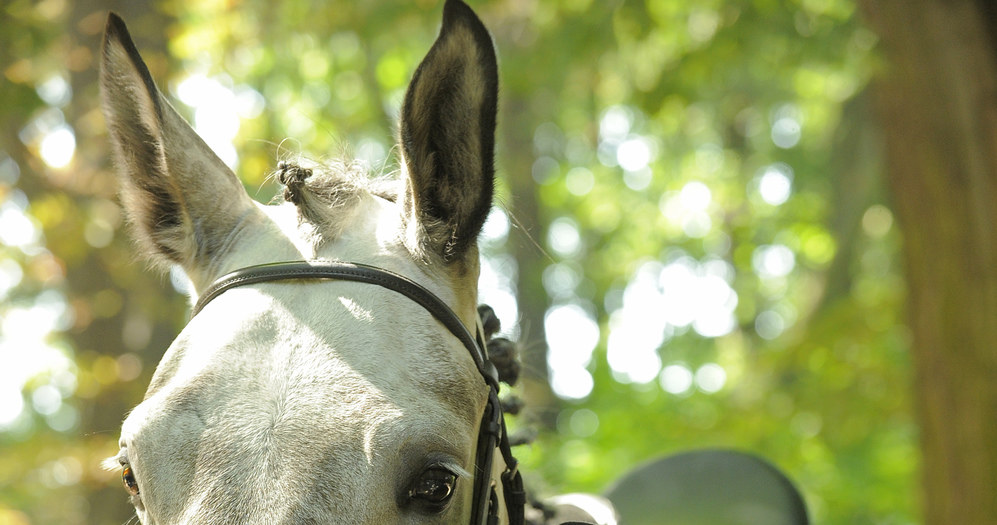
(492, 434)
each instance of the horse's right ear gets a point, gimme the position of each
(448, 137)
(168, 174)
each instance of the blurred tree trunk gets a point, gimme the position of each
(520, 114)
(938, 104)
(517, 126)
(857, 183)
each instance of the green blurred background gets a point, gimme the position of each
(692, 218)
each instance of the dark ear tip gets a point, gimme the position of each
(455, 10)
(115, 26)
(116, 37)
(451, 5)
(115, 30)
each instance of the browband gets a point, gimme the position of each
(344, 271)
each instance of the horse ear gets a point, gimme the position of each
(448, 137)
(183, 200)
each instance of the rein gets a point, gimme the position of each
(492, 435)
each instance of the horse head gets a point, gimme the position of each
(313, 401)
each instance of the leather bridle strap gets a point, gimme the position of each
(343, 271)
(492, 434)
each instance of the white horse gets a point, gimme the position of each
(317, 400)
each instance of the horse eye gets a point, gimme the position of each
(128, 479)
(434, 487)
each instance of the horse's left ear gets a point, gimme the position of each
(448, 137)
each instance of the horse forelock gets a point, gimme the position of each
(327, 193)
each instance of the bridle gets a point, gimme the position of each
(492, 434)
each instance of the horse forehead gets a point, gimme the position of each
(267, 401)
(308, 341)
(250, 363)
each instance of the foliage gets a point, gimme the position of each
(718, 265)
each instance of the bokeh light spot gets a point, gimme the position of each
(710, 378)
(773, 261)
(775, 184)
(564, 237)
(58, 147)
(676, 379)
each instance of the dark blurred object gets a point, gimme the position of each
(708, 487)
(505, 355)
(489, 321)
